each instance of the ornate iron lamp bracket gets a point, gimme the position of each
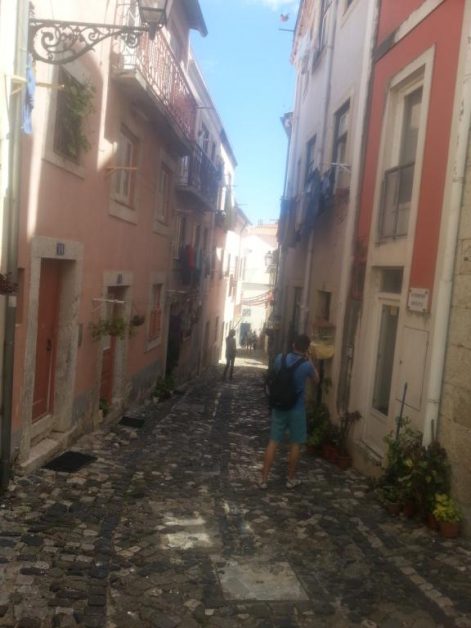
(57, 42)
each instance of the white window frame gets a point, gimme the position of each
(163, 194)
(82, 75)
(124, 180)
(342, 175)
(417, 73)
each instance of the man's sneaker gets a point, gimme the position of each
(262, 485)
(293, 483)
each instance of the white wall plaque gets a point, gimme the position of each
(418, 300)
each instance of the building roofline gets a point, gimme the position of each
(195, 16)
(208, 103)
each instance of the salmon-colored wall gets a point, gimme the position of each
(61, 205)
(393, 13)
(430, 32)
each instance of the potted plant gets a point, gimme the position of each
(436, 479)
(316, 439)
(426, 473)
(137, 320)
(408, 496)
(389, 496)
(402, 449)
(115, 326)
(164, 387)
(104, 407)
(318, 427)
(448, 515)
(330, 446)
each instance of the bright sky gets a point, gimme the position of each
(245, 62)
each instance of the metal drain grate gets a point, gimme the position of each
(130, 421)
(69, 462)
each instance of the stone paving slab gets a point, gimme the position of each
(168, 528)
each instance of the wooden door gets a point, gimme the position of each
(107, 370)
(109, 350)
(46, 349)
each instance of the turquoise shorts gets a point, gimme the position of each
(292, 421)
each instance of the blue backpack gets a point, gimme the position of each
(281, 387)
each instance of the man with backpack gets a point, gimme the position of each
(286, 394)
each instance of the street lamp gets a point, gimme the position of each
(58, 42)
(154, 12)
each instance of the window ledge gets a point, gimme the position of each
(66, 164)
(154, 343)
(118, 210)
(161, 228)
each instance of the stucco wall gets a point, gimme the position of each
(455, 416)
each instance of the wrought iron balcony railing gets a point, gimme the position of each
(154, 60)
(199, 175)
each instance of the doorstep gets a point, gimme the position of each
(45, 450)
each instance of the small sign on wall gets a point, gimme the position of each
(418, 299)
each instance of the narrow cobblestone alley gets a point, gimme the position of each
(168, 528)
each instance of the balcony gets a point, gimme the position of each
(151, 75)
(199, 180)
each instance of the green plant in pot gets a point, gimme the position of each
(164, 387)
(318, 426)
(426, 473)
(435, 478)
(137, 320)
(390, 497)
(403, 448)
(448, 515)
(330, 447)
(115, 326)
(104, 406)
(407, 490)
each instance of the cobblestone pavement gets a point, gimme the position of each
(167, 528)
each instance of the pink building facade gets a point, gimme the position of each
(103, 260)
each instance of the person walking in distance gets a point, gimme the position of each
(290, 373)
(231, 351)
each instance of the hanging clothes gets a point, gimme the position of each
(28, 102)
(312, 199)
(327, 188)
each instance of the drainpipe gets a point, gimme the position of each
(328, 87)
(346, 343)
(10, 242)
(279, 285)
(451, 223)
